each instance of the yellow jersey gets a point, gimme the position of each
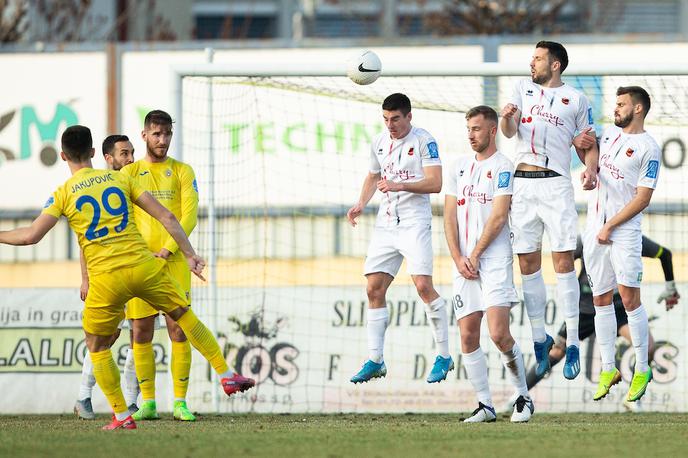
(98, 206)
(173, 184)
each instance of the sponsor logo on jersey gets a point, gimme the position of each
(49, 202)
(538, 110)
(489, 174)
(629, 152)
(480, 197)
(565, 100)
(410, 152)
(433, 151)
(614, 171)
(503, 181)
(652, 169)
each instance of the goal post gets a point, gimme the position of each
(283, 150)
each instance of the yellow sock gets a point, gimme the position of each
(203, 341)
(181, 367)
(106, 373)
(144, 360)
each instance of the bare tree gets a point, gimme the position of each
(13, 20)
(461, 17)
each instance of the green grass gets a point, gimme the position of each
(281, 436)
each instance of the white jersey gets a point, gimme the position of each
(475, 184)
(402, 160)
(627, 161)
(550, 118)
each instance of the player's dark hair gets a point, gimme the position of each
(77, 143)
(557, 51)
(488, 113)
(638, 95)
(110, 140)
(158, 117)
(397, 101)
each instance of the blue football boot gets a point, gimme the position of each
(542, 356)
(370, 370)
(572, 364)
(440, 369)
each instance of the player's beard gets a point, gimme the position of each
(157, 153)
(542, 78)
(480, 147)
(623, 121)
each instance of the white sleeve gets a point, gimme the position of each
(374, 165)
(649, 168)
(450, 188)
(503, 180)
(429, 153)
(516, 95)
(584, 118)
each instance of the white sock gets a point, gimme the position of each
(638, 325)
(436, 311)
(515, 369)
(605, 330)
(476, 369)
(131, 383)
(535, 298)
(228, 374)
(568, 294)
(377, 325)
(88, 381)
(122, 416)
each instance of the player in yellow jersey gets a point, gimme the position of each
(173, 184)
(98, 205)
(118, 152)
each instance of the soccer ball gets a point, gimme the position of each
(364, 68)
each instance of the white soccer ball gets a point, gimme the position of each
(364, 68)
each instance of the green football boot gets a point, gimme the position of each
(147, 411)
(607, 380)
(182, 413)
(639, 385)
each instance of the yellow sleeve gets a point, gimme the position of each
(188, 205)
(135, 189)
(54, 205)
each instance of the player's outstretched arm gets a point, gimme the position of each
(639, 202)
(431, 182)
(29, 235)
(169, 221)
(652, 249)
(367, 192)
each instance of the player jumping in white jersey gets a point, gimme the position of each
(628, 171)
(476, 212)
(405, 166)
(546, 114)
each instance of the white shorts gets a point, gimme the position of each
(389, 246)
(543, 204)
(617, 263)
(495, 287)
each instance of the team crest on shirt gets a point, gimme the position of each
(49, 202)
(460, 202)
(629, 152)
(525, 120)
(503, 181)
(565, 100)
(410, 152)
(489, 174)
(652, 168)
(168, 173)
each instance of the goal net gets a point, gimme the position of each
(280, 159)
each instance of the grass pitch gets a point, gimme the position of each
(590, 435)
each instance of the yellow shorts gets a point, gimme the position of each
(109, 291)
(139, 308)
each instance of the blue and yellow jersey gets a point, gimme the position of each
(173, 183)
(98, 205)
